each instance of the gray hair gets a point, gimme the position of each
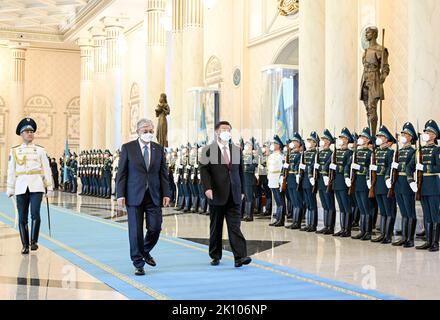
(144, 123)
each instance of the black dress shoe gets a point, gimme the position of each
(242, 261)
(150, 261)
(215, 262)
(25, 250)
(34, 246)
(139, 271)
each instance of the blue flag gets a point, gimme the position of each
(203, 132)
(281, 128)
(66, 155)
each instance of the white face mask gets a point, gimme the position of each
(322, 144)
(403, 140)
(425, 137)
(291, 145)
(339, 143)
(225, 136)
(246, 148)
(379, 141)
(308, 145)
(272, 148)
(360, 142)
(147, 137)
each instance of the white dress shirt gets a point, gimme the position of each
(221, 146)
(142, 146)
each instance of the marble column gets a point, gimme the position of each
(176, 97)
(86, 94)
(99, 85)
(193, 62)
(113, 113)
(16, 92)
(423, 61)
(155, 54)
(312, 65)
(341, 65)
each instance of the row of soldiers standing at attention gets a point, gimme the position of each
(370, 176)
(96, 170)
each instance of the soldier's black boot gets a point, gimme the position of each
(313, 220)
(187, 204)
(389, 230)
(428, 243)
(412, 224)
(296, 219)
(434, 246)
(331, 222)
(404, 238)
(268, 211)
(348, 225)
(35, 231)
(248, 212)
(257, 209)
(356, 218)
(307, 226)
(342, 221)
(194, 204)
(24, 236)
(362, 227)
(325, 218)
(383, 220)
(368, 227)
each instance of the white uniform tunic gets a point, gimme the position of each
(274, 169)
(28, 167)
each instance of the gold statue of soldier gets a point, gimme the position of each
(376, 70)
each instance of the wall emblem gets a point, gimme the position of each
(288, 7)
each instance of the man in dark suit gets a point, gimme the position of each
(222, 178)
(142, 186)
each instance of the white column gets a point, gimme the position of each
(312, 65)
(16, 93)
(155, 54)
(113, 127)
(86, 94)
(193, 53)
(176, 98)
(423, 61)
(341, 80)
(99, 85)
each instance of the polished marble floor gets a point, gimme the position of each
(404, 273)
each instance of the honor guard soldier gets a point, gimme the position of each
(309, 181)
(203, 207)
(249, 180)
(293, 188)
(263, 183)
(405, 196)
(194, 182)
(171, 163)
(186, 178)
(356, 213)
(178, 179)
(74, 173)
(343, 156)
(29, 177)
(327, 198)
(108, 166)
(275, 179)
(387, 206)
(427, 162)
(359, 166)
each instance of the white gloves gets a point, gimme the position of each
(317, 166)
(413, 186)
(326, 180)
(297, 179)
(286, 166)
(302, 166)
(312, 181)
(281, 180)
(188, 167)
(420, 167)
(348, 182)
(388, 183)
(369, 184)
(395, 165)
(181, 167)
(50, 193)
(196, 166)
(257, 175)
(192, 176)
(373, 167)
(355, 166)
(198, 176)
(333, 166)
(10, 193)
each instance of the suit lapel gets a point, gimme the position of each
(152, 155)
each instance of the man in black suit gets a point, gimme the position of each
(142, 186)
(222, 178)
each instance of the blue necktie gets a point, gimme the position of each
(147, 162)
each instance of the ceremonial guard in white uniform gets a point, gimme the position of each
(29, 177)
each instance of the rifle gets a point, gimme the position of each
(301, 172)
(352, 188)
(373, 174)
(285, 171)
(419, 160)
(394, 172)
(332, 173)
(316, 173)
